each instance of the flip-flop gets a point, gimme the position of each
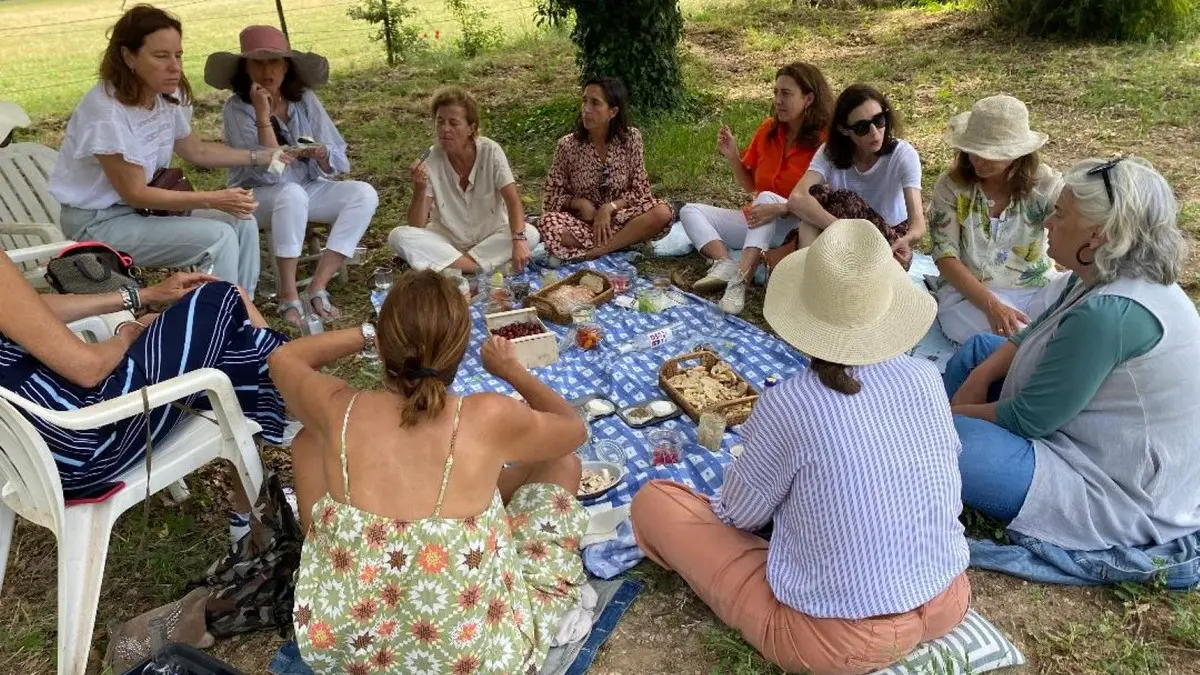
(322, 306)
(286, 307)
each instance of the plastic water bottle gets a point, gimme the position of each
(653, 339)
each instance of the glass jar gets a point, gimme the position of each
(666, 446)
(710, 430)
(587, 331)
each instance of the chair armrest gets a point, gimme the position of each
(210, 380)
(39, 252)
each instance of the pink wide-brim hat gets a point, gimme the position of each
(265, 42)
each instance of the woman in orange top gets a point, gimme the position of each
(775, 161)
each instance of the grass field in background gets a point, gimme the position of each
(1092, 99)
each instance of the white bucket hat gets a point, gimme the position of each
(997, 128)
(12, 116)
(846, 300)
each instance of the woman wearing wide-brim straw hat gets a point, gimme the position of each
(855, 462)
(273, 106)
(987, 221)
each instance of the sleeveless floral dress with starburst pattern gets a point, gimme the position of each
(439, 596)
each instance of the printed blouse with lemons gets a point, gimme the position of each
(1004, 252)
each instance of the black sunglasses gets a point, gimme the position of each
(1104, 169)
(863, 127)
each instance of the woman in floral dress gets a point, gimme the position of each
(425, 552)
(988, 220)
(597, 195)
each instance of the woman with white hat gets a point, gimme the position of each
(120, 138)
(273, 106)
(855, 462)
(12, 116)
(987, 221)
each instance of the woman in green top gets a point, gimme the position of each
(425, 552)
(987, 221)
(1084, 428)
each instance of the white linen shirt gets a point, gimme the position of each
(467, 217)
(102, 125)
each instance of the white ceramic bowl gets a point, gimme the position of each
(616, 470)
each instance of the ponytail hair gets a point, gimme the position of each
(835, 376)
(424, 328)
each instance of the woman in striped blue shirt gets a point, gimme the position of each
(204, 323)
(855, 463)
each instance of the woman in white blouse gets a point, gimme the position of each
(273, 105)
(863, 164)
(126, 129)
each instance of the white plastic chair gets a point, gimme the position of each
(30, 486)
(29, 216)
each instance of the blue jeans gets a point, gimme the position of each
(996, 464)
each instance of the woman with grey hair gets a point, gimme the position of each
(1083, 430)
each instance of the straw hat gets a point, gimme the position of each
(846, 300)
(997, 128)
(263, 43)
(11, 117)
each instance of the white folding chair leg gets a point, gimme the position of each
(7, 525)
(82, 551)
(179, 491)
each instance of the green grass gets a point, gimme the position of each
(933, 60)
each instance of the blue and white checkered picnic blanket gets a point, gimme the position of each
(633, 378)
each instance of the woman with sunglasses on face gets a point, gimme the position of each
(1082, 429)
(863, 171)
(988, 220)
(274, 106)
(770, 167)
(597, 196)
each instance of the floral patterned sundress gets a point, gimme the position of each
(438, 596)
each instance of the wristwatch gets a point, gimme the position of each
(368, 334)
(519, 236)
(253, 158)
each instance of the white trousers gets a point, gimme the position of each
(287, 208)
(961, 320)
(423, 248)
(705, 224)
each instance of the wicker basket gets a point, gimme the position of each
(549, 312)
(707, 359)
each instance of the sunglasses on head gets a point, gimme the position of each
(863, 127)
(1104, 169)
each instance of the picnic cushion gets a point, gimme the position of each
(975, 646)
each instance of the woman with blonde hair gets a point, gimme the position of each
(987, 220)
(442, 530)
(466, 211)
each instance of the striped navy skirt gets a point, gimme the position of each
(208, 328)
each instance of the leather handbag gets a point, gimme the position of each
(168, 179)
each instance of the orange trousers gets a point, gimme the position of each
(727, 568)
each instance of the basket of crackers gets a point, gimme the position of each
(555, 302)
(701, 381)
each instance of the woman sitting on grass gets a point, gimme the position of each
(867, 556)
(863, 171)
(466, 211)
(1082, 429)
(988, 220)
(597, 195)
(770, 167)
(442, 530)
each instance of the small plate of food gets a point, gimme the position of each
(598, 478)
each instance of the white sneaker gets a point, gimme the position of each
(719, 275)
(734, 300)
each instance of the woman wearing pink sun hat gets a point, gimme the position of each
(273, 106)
